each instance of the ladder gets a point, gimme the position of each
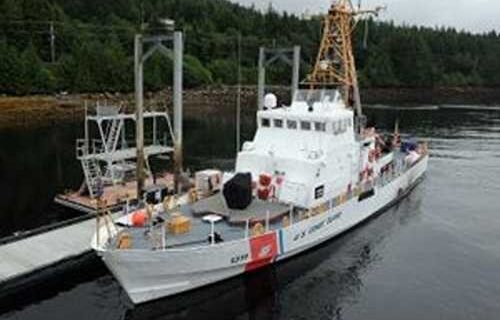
(93, 176)
(113, 135)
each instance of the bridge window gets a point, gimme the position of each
(278, 123)
(336, 128)
(265, 122)
(319, 192)
(305, 125)
(290, 124)
(320, 126)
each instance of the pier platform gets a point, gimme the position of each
(115, 196)
(26, 256)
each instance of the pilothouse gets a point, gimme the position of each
(310, 145)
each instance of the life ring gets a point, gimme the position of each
(193, 195)
(124, 241)
(285, 222)
(258, 229)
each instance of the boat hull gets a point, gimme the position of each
(148, 275)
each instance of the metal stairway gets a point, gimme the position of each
(93, 176)
(113, 135)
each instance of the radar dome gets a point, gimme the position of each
(270, 101)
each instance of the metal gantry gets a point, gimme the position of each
(107, 157)
(268, 56)
(159, 44)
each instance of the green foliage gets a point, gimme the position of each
(94, 47)
(195, 74)
(224, 71)
(10, 65)
(33, 77)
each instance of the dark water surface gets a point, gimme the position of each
(436, 255)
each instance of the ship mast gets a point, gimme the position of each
(335, 64)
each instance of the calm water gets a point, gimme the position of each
(434, 256)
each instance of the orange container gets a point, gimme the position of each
(179, 224)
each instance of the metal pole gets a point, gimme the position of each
(212, 231)
(357, 97)
(178, 69)
(52, 43)
(296, 70)
(154, 130)
(138, 72)
(124, 135)
(247, 229)
(86, 128)
(262, 78)
(238, 99)
(267, 221)
(163, 235)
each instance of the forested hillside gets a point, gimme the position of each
(93, 45)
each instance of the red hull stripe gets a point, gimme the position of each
(263, 250)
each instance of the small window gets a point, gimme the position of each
(319, 192)
(278, 123)
(290, 124)
(305, 125)
(266, 123)
(336, 127)
(343, 126)
(320, 126)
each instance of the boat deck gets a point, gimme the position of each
(115, 196)
(257, 211)
(231, 227)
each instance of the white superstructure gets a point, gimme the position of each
(311, 144)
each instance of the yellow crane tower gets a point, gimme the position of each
(335, 64)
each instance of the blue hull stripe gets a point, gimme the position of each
(282, 247)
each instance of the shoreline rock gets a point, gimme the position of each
(46, 110)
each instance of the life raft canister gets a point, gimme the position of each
(265, 179)
(263, 193)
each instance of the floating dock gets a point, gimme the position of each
(26, 256)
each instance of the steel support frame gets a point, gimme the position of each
(268, 56)
(140, 57)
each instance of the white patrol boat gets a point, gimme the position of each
(311, 173)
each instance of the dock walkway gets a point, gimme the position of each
(25, 256)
